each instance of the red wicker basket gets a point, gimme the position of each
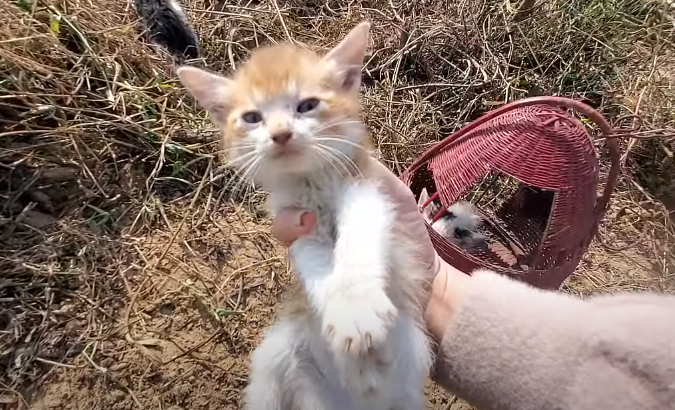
(550, 205)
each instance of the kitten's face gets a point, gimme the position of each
(288, 110)
(459, 224)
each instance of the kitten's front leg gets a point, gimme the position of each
(357, 313)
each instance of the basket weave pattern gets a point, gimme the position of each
(541, 230)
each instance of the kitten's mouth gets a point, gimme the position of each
(285, 151)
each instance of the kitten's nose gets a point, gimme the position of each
(281, 137)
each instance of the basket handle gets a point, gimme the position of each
(590, 112)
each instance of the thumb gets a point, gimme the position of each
(292, 223)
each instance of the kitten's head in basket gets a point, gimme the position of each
(460, 224)
(288, 110)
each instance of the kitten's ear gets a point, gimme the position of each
(424, 197)
(211, 91)
(347, 57)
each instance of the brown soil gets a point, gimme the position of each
(169, 348)
(189, 325)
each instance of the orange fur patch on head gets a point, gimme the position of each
(277, 69)
(288, 101)
(284, 70)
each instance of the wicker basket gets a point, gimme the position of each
(548, 207)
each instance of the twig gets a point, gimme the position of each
(283, 23)
(91, 361)
(58, 364)
(195, 347)
(182, 222)
(524, 10)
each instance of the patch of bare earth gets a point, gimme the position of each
(193, 314)
(195, 309)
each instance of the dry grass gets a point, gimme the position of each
(130, 280)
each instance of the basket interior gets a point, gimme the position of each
(515, 219)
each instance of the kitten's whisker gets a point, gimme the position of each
(327, 127)
(234, 192)
(239, 146)
(236, 163)
(232, 183)
(250, 185)
(339, 167)
(247, 172)
(243, 157)
(226, 152)
(338, 153)
(340, 140)
(252, 169)
(239, 172)
(336, 120)
(336, 124)
(343, 159)
(328, 157)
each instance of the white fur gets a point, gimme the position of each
(347, 267)
(357, 311)
(175, 6)
(464, 217)
(294, 368)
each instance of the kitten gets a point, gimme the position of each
(353, 337)
(166, 25)
(459, 224)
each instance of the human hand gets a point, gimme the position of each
(448, 282)
(292, 223)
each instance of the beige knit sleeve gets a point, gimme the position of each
(510, 346)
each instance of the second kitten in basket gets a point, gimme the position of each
(460, 224)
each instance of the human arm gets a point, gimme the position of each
(505, 345)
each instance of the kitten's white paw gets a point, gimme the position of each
(355, 322)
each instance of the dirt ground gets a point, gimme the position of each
(192, 317)
(191, 322)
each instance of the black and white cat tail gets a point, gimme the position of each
(166, 25)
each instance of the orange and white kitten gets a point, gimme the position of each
(355, 339)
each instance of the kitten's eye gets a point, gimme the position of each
(252, 117)
(307, 105)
